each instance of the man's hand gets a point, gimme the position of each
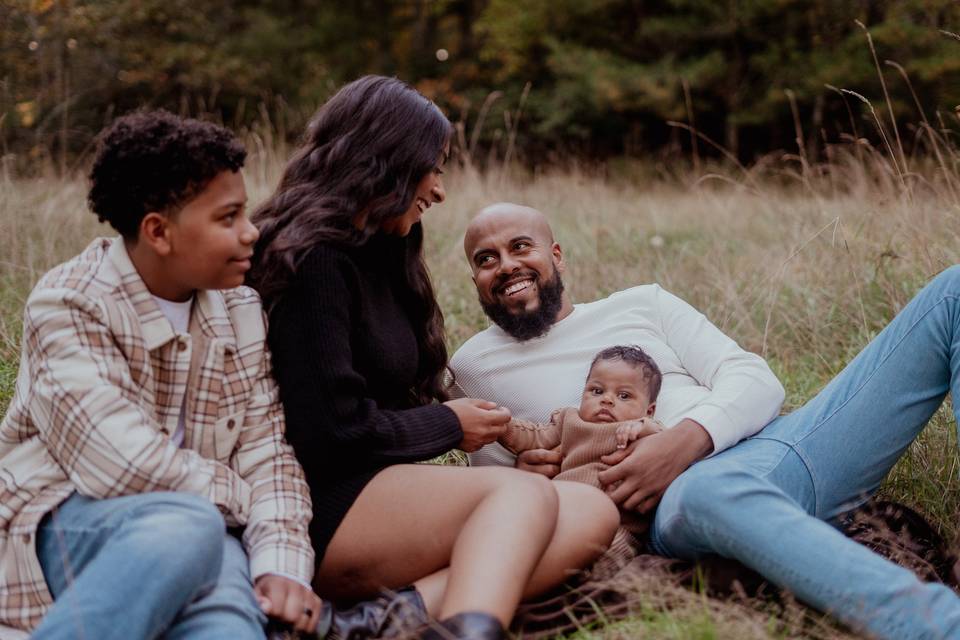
(639, 474)
(546, 462)
(289, 601)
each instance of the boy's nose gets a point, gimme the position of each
(250, 233)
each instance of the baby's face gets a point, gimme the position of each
(615, 391)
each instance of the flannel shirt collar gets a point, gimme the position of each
(209, 312)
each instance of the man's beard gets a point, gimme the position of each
(530, 324)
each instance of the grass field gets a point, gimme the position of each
(800, 264)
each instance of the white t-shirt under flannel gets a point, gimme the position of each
(178, 313)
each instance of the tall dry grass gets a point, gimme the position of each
(801, 263)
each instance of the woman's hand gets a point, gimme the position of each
(482, 421)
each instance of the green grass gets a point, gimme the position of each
(804, 275)
(8, 375)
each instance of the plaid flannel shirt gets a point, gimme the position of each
(102, 375)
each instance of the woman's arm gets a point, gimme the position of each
(329, 409)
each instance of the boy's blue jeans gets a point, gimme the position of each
(766, 501)
(145, 566)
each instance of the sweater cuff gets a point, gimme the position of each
(717, 425)
(445, 432)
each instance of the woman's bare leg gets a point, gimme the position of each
(587, 523)
(490, 526)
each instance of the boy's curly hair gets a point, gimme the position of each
(639, 360)
(156, 161)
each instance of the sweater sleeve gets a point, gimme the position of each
(329, 410)
(522, 435)
(744, 393)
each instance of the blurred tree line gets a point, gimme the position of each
(593, 78)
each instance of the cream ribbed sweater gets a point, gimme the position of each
(706, 377)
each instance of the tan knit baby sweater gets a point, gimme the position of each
(582, 443)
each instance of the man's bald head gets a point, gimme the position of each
(506, 214)
(516, 267)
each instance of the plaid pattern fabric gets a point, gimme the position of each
(101, 378)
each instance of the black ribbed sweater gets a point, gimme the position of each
(345, 357)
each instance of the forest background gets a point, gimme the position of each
(548, 79)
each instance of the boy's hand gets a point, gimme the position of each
(289, 601)
(636, 429)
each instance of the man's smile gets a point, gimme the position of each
(516, 286)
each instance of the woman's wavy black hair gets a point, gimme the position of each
(361, 159)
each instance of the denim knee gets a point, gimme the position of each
(949, 279)
(234, 587)
(180, 531)
(230, 608)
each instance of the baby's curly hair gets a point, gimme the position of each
(639, 360)
(156, 161)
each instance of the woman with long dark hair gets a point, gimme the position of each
(358, 346)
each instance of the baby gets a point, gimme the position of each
(616, 408)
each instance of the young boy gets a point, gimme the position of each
(145, 420)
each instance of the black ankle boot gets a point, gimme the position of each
(392, 615)
(471, 625)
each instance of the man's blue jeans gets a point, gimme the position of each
(766, 501)
(145, 566)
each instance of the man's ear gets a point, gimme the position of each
(651, 409)
(558, 257)
(155, 232)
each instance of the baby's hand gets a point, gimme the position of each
(636, 429)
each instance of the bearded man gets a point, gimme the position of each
(766, 501)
